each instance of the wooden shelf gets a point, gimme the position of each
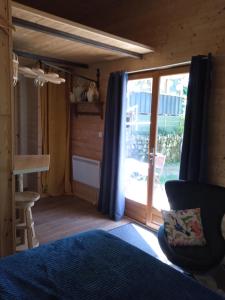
(88, 108)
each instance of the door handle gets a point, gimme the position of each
(152, 155)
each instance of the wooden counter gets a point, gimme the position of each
(24, 164)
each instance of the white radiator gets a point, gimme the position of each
(86, 171)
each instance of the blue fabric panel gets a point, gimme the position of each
(93, 266)
(111, 194)
(194, 155)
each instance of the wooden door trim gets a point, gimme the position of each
(135, 210)
(152, 143)
(153, 215)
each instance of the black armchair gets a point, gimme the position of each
(211, 200)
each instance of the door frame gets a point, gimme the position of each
(147, 214)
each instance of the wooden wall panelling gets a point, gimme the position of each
(216, 121)
(194, 29)
(86, 142)
(199, 31)
(7, 234)
(85, 136)
(85, 192)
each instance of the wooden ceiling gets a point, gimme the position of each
(126, 18)
(44, 34)
(92, 13)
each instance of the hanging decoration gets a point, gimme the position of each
(92, 93)
(85, 89)
(40, 77)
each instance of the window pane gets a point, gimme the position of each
(139, 97)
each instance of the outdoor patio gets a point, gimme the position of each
(136, 182)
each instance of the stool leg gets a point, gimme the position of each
(29, 222)
(20, 213)
(32, 226)
(20, 182)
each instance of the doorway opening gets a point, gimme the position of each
(156, 104)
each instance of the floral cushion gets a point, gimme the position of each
(184, 227)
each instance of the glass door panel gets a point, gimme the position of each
(139, 98)
(170, 125)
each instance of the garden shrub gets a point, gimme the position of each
(169, 145)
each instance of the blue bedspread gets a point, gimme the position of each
(93, 266)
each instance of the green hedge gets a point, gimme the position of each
(169, 145)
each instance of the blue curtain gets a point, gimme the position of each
(111, 194)
(194, 155)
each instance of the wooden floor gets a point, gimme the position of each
(58, 217)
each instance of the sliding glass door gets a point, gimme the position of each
(156, 104)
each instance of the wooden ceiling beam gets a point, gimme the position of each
(71, 37)
(52, 60)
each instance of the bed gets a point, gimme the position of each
(94, 265)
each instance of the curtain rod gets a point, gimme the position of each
(74, 74)
(186, 63)
(161, 68)
(56, 67)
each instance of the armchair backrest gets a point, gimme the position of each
(210, 199)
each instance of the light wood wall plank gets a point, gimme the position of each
(6, 128)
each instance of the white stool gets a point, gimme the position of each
(25, 224)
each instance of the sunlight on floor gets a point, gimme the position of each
(151, 239)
